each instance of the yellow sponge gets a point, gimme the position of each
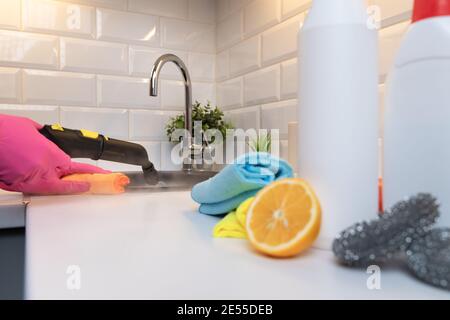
(112, 183)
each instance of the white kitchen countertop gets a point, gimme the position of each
(156, 246)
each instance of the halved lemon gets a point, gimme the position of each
(284, 218)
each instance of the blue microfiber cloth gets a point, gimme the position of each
(238, 182)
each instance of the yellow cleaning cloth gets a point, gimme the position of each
(233, 225)
(229, 227)
(112, 183)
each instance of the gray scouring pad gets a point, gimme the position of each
(379, 240)
(429, 258)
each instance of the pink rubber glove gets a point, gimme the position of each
(30, 163)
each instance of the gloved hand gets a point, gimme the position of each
(30, 163)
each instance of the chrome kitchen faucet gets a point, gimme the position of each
(154, 82)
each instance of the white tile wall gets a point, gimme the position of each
(122, 26)
(171, 95)
(90, 60)
(53, 87)
(166, 163)
(93, 56)
(246, 84)
(27, 49)
(86, 63)
(122, 92)
(229, 93)
(40, 114)
(10, 14)
(58, 17)
(280, 43)
(149, 125)
(259, 15)
(245, 118)
(116, 4)
(10, 85)
(187, 35)
(262, 86)
(278, 115)
(245, 56)
(394, 11)
(111, 122)
(142, 59)
(222, 63)
(229, 31)
(202, 11)
(202, 66)
(289, 79)
(165, 8)
(293, 7)
(203, 91)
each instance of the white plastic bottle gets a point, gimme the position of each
(417, 115)
(338, 113)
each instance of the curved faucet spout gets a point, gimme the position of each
(154, 84)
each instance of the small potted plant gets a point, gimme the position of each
(211, 118)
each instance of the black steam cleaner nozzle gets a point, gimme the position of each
(95, 146)
(151, 175)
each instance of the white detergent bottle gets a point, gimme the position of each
(417, 110)
(338, 113)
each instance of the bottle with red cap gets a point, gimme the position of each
(417, 110)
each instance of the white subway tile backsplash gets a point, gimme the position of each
(118, 167)
(125, 92)
(238, 4)
(111, 122)
(41, 114)
(246, 118)
(27, 49)
(202, 11)
(390, 39)
(229, 93)
(103, 85)
(172, 8)
(222, 65)
(261, 14)
(150, 125)
(143, 58)
(289, 79)
(172, 95)
(202, 66)
(284, 150)
(52, 87)
(262, 86)
(186, 35)
(93, 56)
(278, 115)
(115, 4)
(10, 85)
(280, 42)
(290, 8)
(222, 9)
(245, 56)
(58, 17)
(394, 11)
(154, 152)
(204, 92)
(10, 14)
(229, 31)
(167, 164)
(129, 27)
